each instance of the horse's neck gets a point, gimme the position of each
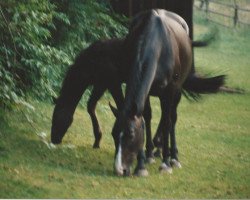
(72, 88)
(142, 74)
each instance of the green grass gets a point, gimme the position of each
(213, 137)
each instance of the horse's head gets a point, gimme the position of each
(128, 134)
(61, 120)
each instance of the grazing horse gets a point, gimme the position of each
(160, 54)
(98, 65)
(104, 66)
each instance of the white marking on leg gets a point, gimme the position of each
(150, 160)
(164, 168)
(142, 172)
(118, 159)
(176, 163)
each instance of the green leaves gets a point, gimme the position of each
(27, 58)
(39, 39)
(89, 21)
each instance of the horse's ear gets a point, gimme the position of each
(54, 99)
(114, 110)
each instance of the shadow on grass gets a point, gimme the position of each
(82, 160)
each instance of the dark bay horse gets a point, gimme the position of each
(98, 65)
(103, 65)
(160, 54)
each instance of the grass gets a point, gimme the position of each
(213, 138)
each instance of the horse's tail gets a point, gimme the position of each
(195, 85)
(200, 43)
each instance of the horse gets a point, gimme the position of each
(103, 66)
(99, 66)
(159, 51)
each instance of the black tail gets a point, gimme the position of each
(195, 85)
(200, 43)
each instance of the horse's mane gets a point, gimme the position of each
(70, 86)
(134, 43)
(143, 31)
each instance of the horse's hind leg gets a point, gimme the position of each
(173, 148)
(147, 114)
(96, 94)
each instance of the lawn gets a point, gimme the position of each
(213, 137)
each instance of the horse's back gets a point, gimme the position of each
(176, 30)
(176, 53)
(100, 62)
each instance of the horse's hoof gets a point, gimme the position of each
(165, 168)
(141, 173)
(175, 163)
(96, 146)
(50, 145)
(150, 160)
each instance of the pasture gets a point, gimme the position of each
(213, 137)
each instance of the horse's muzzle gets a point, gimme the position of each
(56, 141)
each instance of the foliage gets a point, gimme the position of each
(28, 61)
(40, 38)
(89, 21)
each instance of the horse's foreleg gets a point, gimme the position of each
(147, 114)
(140, 169)
(158, 136)
(158, 139)
(173, 149)
(96, 94)
(166, 103)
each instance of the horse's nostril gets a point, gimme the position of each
(56, 141)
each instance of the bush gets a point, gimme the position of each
(89, 21)
(39, 40)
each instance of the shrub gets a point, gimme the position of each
(40, 38)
